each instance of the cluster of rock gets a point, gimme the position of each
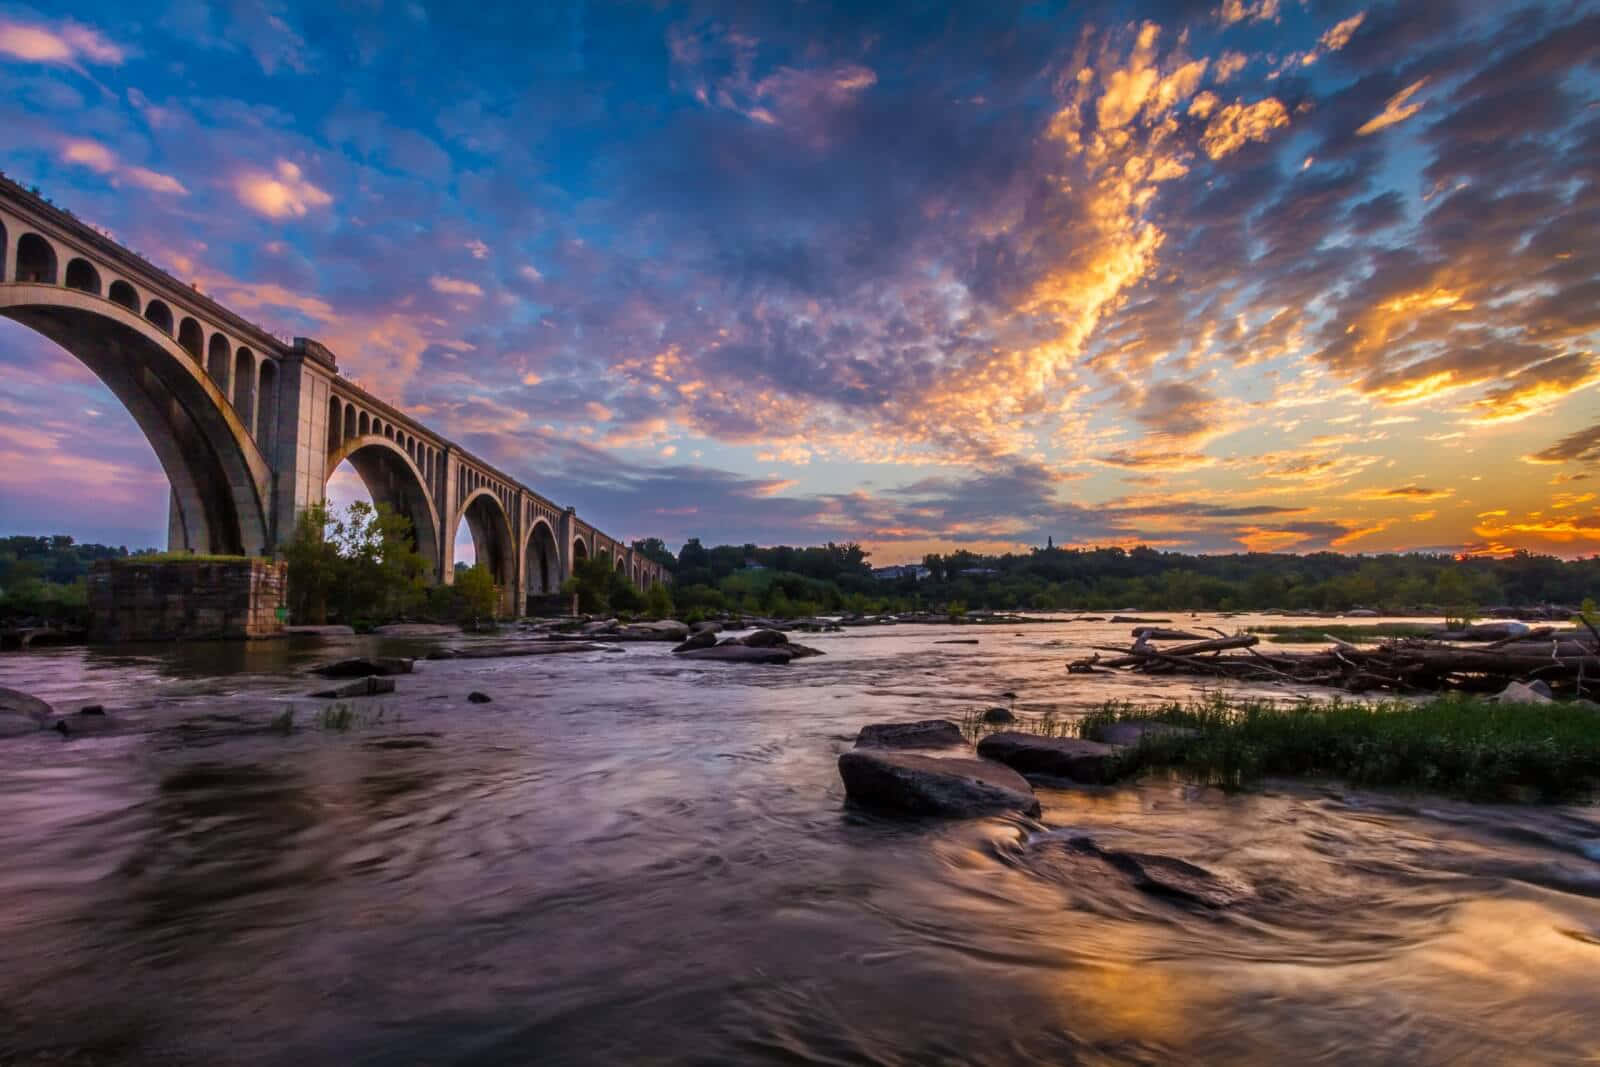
(758, 646)
(22, 713)
(927, 767)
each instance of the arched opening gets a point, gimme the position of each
(218, 360)
(580, 551)
(244, 386)
(542, 561)
(192, 338)
(382, 474)
(267, 405)
(81, 275)
(5, 250)
(388, 431)
(159, 316)
(363, 427)
(126, 295)
(492, 544)
(217, 486)
(349, 422)
(36, 260)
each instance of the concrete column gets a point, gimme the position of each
(299, 442)
(449, 478)
(566, 530)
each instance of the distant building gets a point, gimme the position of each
(914, 571)
(978, 572)
(752, 565)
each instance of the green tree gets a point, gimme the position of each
(477, 595)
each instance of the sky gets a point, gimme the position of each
(1286, 275)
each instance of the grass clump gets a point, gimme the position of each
(1318, 634)
(1458, 745)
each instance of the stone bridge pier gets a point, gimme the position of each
(249, 427)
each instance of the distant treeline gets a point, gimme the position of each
(836, 577)
(44, 577)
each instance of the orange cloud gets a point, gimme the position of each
(281, 194)
(1395, 110)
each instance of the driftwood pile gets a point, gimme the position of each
(1569, 665)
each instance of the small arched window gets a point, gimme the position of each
(192, 338)
(36, 260)
(218, 359)
(160, 316)
(126, 295)
(82, 276)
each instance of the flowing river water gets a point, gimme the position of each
(627, 858)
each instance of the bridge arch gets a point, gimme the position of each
(220, 481)
(244, 385)
(492, 540)
(191, 338)
(542, 560)
(159, 315)
(393, 480)
(580, 551)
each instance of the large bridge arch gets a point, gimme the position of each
(492, 540)
(542, 560)
(392, 479)
(221, 483)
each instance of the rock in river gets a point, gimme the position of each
(698, 639)
(1168, 876)
(1059, 757)
(763, 639)
(363, 666)
(999, 715)
(929, 785)
(476, 697)
(734, 653)
(929, 733)
(362, 687)
(21, 713)
(85, 722)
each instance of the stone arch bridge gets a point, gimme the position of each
(249, 428)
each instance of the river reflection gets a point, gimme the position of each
(626, 858)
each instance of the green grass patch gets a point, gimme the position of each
(1318, 633)
(1455, 745)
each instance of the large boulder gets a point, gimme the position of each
(928, 785)
(998, 716)
(736, 653)
(1058, 757)
(764, 638)
(22, 713)
(663, 630)
(362, 687)
(706, 626)
(929, 733)
(363, 666)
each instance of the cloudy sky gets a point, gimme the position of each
(1264, 274)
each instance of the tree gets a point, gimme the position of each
(658, 601)
(476, 594)
(363, 566)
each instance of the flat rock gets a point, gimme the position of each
(929, 733)
(319, 631)
(1168, 876)
(1131, 733)
(928, 785)
(1059, 757)
(958, 641)
(503, 649)
(361, 687)
(417, 629)
(22, 713)
(1134, 618)
(363, 666)
(706, 626)
(736, 653)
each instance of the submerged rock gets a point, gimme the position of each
(929, 785)
(706, 626)
(1059, 757)
(364, 666)
(1168, 876)
(89, 720)
(331, 631)
(929, 733)
(476, 697)
(501, 649)
(22, 713)
(416, 629)
(999, 715)
(762, 639)
(364, 687)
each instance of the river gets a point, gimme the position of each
(626, 858)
